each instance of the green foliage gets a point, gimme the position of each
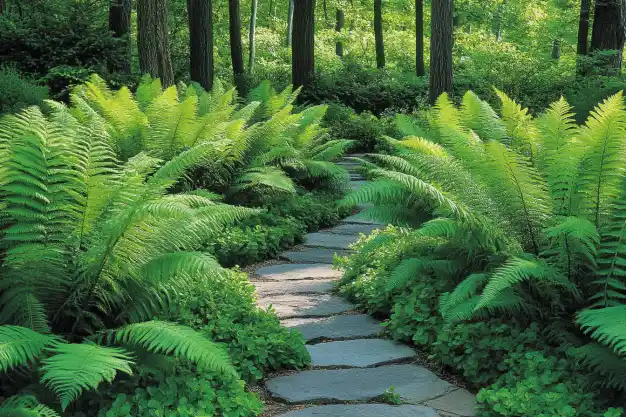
(16, 92)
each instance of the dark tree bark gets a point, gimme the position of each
(153, 40)
(440, 49)
(378, 34)
(419, 38)
(119, 24)
(583, 28)
(1, 7)
(556, 49)
(338, 27)
(253, 10)
(236, 49)
(303, 48)
(499, 19)
(608, 33)
(325, 8)
(201, 42)
(289, 22)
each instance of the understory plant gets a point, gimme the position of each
(92, 250)
(519, 218)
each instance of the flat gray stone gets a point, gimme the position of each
(335, 328)
(359, 353)
(363, 410)
(353, 229)
(354, 176)
(413, 383)
(317, 305)
(359, 220)
(286, 272)
(355, 185)
(460, 402)
(329, 240)
(319, 286)
(314, 255)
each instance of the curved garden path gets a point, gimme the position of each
(353, 366)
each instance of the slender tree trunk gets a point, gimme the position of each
(419, 38)
(303, 48)
(556, 49)
(201, 42)
(338, 27)
(119, 24)
(236, 49)
(1, 7)
(440, 49)
(499, 19)
(252, 54)
(608, 33)
(583, 28)
(378, 34)
(153, 40)
(289, 22)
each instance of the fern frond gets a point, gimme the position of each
(19, 346)
(605, 325)
(174, 339)
(73, 368)
(466, 290)
(609, 368)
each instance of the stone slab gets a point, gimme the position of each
(319, 286)
(314, 255)
(335, 328)
(359, 220)
(460, 402)
(317, 305)
(414, 384)
(287, 272)
(353, 229)
(355, 185)
(329, 240)
(363, 410)
(358, 353)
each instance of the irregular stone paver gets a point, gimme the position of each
(363, 410)
(359, 353)
(286, 272)
(316, 255)
(317, 305)
(355, 185)
(460, 402)
(353, 229)
(413, 383)
(359, 220)
(319, 286)
(335, 328)
(329, 240)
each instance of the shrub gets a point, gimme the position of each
(16, 92)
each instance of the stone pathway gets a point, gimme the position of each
(352, 366)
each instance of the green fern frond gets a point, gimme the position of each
(264, 177)
(174, 339)
(25, 406)
(466, 290)
(520, 126)
(609, 369)
(19, 346)
(478, 116)
(405, 271)
(606, 325)
(73, 368)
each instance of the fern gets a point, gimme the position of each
(605, 325)
(72, 368)
(177, 340)
(20, 346)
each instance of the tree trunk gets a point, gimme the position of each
(1, 7)
(236, 49)
(119, 24)
(153, 40)
(253, 11)
(609, 32)
(499, 19)
(325, 7)
(440, 49)
(201, 42)
(338, 27)
(289, 22)
(378, 34)
(556, 49)
(303, 48)
(583, 28)
(419, 38)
